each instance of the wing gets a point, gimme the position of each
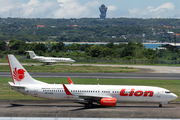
(85, 97)
(70, 81)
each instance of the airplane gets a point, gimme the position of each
(105, 95)
(48, 60)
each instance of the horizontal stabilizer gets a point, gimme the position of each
(18, 86)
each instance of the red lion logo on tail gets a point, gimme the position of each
(18, 75)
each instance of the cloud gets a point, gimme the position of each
(5, 5)
(32, 9)
(165, 6)
(33, 2)
(163, 10)
(112, 8)
(134, 11)
(49, 8)
(74, 9)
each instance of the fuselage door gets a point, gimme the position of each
(35, 91)
(158, 93)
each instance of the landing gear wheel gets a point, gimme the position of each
(89, 105)
(160, 105)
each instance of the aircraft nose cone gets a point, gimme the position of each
(174, 96)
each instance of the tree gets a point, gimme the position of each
(60, 45)
(104, 51)
(16, 44)
(95, 50)
(2, 45)
(110, 45)
(73, 47)
(41, 46)
(54, 46)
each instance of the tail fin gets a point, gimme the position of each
(32, 54)
(19, 74)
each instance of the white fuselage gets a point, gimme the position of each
(52, 59)
(120, 92)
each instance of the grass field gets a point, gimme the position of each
(72, 69)
(7, 93)
(4, 60)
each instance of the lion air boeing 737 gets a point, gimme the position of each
(105, 95)
(48, 59)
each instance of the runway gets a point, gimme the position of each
(71, 109)
(164, 76)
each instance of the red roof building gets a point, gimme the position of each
(40, 26)
(75, 25)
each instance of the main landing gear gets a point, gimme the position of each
(89, 105)
(160, 105)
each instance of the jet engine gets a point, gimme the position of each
(108, 102)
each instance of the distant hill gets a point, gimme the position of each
(89, 29)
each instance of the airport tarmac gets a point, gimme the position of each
(149, 68)
(71, 109)
(157, 76)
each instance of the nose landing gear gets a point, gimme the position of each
(160, 105)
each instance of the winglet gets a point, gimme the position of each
(70, 81)
(66, 90)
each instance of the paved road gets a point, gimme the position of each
(72, 109)
(154, 69)
(169, 76)
(147, 72)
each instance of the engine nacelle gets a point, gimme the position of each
(108, 102)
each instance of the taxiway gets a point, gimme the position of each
(157, 76)
(71, 109)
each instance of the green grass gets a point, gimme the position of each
(4, 60)
(72, 69)
(7, 93)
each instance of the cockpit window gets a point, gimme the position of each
(167, 92)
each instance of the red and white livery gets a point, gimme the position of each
(105, 95)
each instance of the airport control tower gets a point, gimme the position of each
(103, 10)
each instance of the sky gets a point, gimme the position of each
(89, 8)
